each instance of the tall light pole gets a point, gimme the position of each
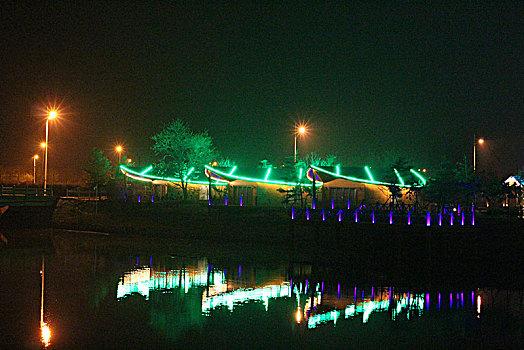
(300, 130)
(35, 157)
(475, 141)
(51, 115)
(118, 150)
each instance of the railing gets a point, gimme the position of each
(13, 191)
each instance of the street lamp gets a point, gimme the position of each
(300, 130)
(118, 150)
(480, 142)
(50, 116)
(35, 157)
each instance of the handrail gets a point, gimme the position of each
(14, 191)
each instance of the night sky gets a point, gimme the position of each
(373, 82)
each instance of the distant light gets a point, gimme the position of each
(423, 170)
(481, 141)
(215, 163)
(129, 160)
(118, 149)
(301, 130)
(35, 156)
(42, 144)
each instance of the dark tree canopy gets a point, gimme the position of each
(98, 169)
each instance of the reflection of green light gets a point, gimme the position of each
(369, 173)
(267, 174)
(147, 170)
(399, 178)
(128, 171)
(233, 170)
(274, 182)
(354, 178)
(189, 173)
(419, 176)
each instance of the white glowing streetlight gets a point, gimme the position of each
(35, 157)
(300, 130)
(50, 116)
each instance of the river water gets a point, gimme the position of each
(87, 292)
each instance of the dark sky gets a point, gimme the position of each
(373, 82)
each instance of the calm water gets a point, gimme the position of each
(97, 295)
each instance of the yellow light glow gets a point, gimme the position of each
(301, 129)
(46, 334)
(423, 170)
(42, 144)
(129, 160)
(118, 149)
(481, 141)
(299, 315)
(35, 156)
(215, 163)
(52, 115)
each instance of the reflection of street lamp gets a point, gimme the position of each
(44, 327)
(300, 130)
(52, 115)
(118, 150)
(35, 157)
(480, 142)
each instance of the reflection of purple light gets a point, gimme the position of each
(314, 205)
(458, 208)
(390, 296)
(409, 218)
(462, 221)
(427, 301)
(356, 215)
(462, 299)
(362, 294)
(349, 204)
(373, 217)
(473, 218)
(340, 215)
(451, 219)
(440, 218)
(138, 198)
(292, 213)
(372, 293)
(428, 219)
(338, 292)
(137, 261)
(307, 284)
(450, 300)
(322, 288)
(150, 260)
(323, 215)
(307, 214)
(225, 200)
(390, 217)
(239, 271)
(472, 298)
(355, 293)
(241, 200)
(152, 199)
(439, 301)
(332, 203)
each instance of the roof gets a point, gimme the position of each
(515, 180)
(375, 176)
(147, 174)
(269, 175)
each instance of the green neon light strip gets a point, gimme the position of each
(273, 182)
(189, 173)
(399, 178)
(267, 174)
(147, 170)
(338, 169)
(233, 170)
(356, 179)
(369, 173)
(419, 176)
(141, 177)
(300, 174)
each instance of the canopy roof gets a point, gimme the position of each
(146, 174)
(269, 175)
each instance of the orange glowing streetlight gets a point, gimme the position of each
(480, 141)
(300, 130)
(118, 150)
(35, 157)
(50, 116)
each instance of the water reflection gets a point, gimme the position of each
(314, 305)
(45, 330)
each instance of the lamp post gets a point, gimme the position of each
(300, 130)
(51, 115)
(35, 157)
(475, 141)
(118, 150)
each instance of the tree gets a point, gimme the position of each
(179, 150)
(98, 169)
